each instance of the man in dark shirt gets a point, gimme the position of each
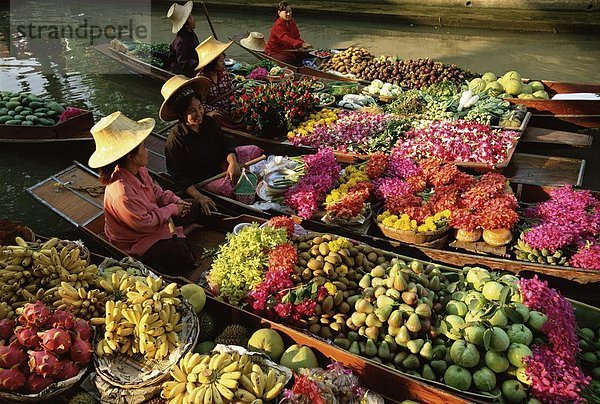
(182, 52)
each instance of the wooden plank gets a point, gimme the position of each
(545, 170)
(543, 135)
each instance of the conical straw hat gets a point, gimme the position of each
(209, 50)
(116, 135)
(171, 88)
(255, 41)
(179, 14)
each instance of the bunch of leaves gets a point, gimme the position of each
(408, 103)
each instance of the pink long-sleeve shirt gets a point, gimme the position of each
(137, 212)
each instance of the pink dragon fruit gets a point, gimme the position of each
(36, 314)
(11, 379)
(83, 329)
(43, 363)
(28, 337)
(81, 351)
(68, 370)
(56, 340)
(62, 319)
(7, 328)
(36, 383)
(11, 356)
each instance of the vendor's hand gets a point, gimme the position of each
(184, 207)
(233, 172)
(306, 45)
(206, 204)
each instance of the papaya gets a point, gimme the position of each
(14, 95)
(45, 122)
(27, 123)
(51, 113)
(55, 106)
(19, 109)
(2, 103)
(19, 117)
(5, 118)
(12, 122)
(12, 104)
(35, 105)
(3, 111)
(39, 114)
(11, 113)
(34, 98)
(17, 99)
(4, 93)
(32, 118)
(40, 109)
(25, 101)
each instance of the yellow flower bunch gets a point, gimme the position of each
(338, 244)
(325, 116)
(352, 176)
(404, 222)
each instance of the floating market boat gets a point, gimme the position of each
(75, 129)
(134, 64)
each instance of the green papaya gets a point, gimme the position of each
(45, 122)
(55, 106)
(25, 101)
(3, 111)
(12, 122)
(19, 117)
(4, 93)
(27, 123)
(36, 104)
(39, 114)
(34, 98)
(19, 109)
(12, 104)
(2, 103)
(51, 112)
(32, 118)
(11, 113)
(5, 118)
(15, 99)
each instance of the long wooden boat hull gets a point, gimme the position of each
(135, 65)
(74, 129)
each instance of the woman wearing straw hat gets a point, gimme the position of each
(195, 149)
(137, 211)
(284, 42)
(211, 64)
(183, 59)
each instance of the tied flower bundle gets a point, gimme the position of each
(552, 369)
(322, 118)
(260, 73)
(459, 141)
(349, 200)
(352, 132)
(281, 105)
(322, 171)
(569, 219)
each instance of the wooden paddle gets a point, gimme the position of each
(224, 173)
(208, 19)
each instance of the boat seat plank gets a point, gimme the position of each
(543, 135)
(545, 171)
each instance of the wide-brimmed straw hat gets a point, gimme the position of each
(255, 41)
(209, 50)
(173, 87)
(116, 135)
(179, 14)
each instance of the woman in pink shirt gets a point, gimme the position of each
(137, 210)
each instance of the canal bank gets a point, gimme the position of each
(556, 16)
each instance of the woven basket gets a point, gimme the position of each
(411, 237)
(51, 391)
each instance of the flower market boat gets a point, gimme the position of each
(429, 280)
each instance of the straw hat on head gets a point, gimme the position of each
(179, 14)
(209, 50)
(116, 135)
(255, 41)
(173, 87)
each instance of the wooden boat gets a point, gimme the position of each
(85, 212)
(135, 65)
(75, 129)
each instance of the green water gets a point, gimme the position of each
(74, 74)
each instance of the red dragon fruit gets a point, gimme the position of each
(36, 383)
(28, 337)
(62, 319)
(43, 363)
(11, 379)
(56, 340)
(81, 351)
(11, 356)
(83, 329)
(36, 314)
(68, 370)
(7, 328)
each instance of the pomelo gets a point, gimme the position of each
(195, 295)
(297, 357)
(268, 342)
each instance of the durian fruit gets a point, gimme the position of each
(207, 326)
(83, 398)
(234, 334)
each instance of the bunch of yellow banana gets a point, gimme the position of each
(118, 283)
(6, 311)
(83, 303)
(64, 266)
(221, 378)
(152, 293)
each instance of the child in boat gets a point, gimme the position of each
(285, 37)
(211, 64)
(196, 149)
(182, 52)
(138, 212)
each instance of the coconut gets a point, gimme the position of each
(512, 86)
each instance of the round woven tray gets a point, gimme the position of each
(411, 237)
(53, 390)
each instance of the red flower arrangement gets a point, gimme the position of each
(283, 222)
(352, 204)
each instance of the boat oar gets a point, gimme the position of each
(224, 173)
(208, 19)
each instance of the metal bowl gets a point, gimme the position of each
(273, 176)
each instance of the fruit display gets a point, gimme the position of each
(347, 61)
(589, 342)
(510, 85)
(323, 117)
(42, 347)
(222, 377)
(81, 302)
(31, 271)
(147, 320)
(28, 110)
(379, 88)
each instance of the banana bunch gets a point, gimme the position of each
(16, 272)
(64, 266)
(83, 303)
(146, 321)
(108, 271)
(117, 283)
(6, 311)
(221, 378)
(525, 252)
